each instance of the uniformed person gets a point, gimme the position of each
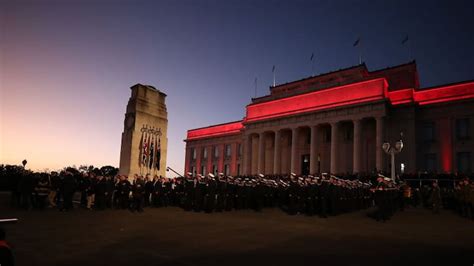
(435, 197)
(148, 190)
(100, 189)
(124, 188)
(68, 188)
(138, 194)
(189, 188)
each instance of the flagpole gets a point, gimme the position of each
(273, 76)
(357, 43)
(409, 50)
(255, 87)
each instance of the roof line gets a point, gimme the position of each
(446, 84)
(320, 75)
(392, 67)
(215, 125)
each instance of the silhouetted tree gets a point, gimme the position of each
(109, 170)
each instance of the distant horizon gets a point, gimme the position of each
(66, 68)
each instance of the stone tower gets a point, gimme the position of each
(146, 122)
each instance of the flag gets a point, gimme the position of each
(145, 151)
(158, 155)
(405, 40)
(273, 69)
(140, 148)
(312, 56)
(152, 151)
(356, 42)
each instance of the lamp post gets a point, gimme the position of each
(392, 151)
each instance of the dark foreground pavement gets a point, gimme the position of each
(171, 236)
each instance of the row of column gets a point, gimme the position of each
(357, 137)
(208, 162)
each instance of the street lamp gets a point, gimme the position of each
(392, 151)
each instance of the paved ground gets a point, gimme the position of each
(172, 236)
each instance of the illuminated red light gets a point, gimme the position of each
(446, 145)
(401, 96)
(360, 92)
(445, 94)
(217, 130)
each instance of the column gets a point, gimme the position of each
(378, 143)
(277, 153)
(261, 153)
(210, 155)
(313, 156)
(234, 154)
(357, 146)
(244, 158)
(294, 149)
(334, 142)
(198, 161)
(247, 155)
(446, 145)
(187, 159)
(220, 162)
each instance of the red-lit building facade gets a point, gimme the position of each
(337, 122)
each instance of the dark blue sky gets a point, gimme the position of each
(67, 65)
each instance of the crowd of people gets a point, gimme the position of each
(323, 195)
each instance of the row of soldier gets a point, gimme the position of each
(93, 191)
(309, 195)
(325, 195)
(322, 195)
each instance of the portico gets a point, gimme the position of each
(337, 146)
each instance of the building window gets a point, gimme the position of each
(228, 150)
(216, 152)
(214, 169)
(204, 153)
(462, 129)
(193, 152)
(238, 169)
(226, 170)
(308, 137)
(240, 149)
(430, 162)
(428, 132)
(193, 170)
(203, 170)
(464, 162)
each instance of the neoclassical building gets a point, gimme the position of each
(337, 122)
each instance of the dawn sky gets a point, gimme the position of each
(66, 66)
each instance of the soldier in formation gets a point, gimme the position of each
(323, 195)
(386, 198)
